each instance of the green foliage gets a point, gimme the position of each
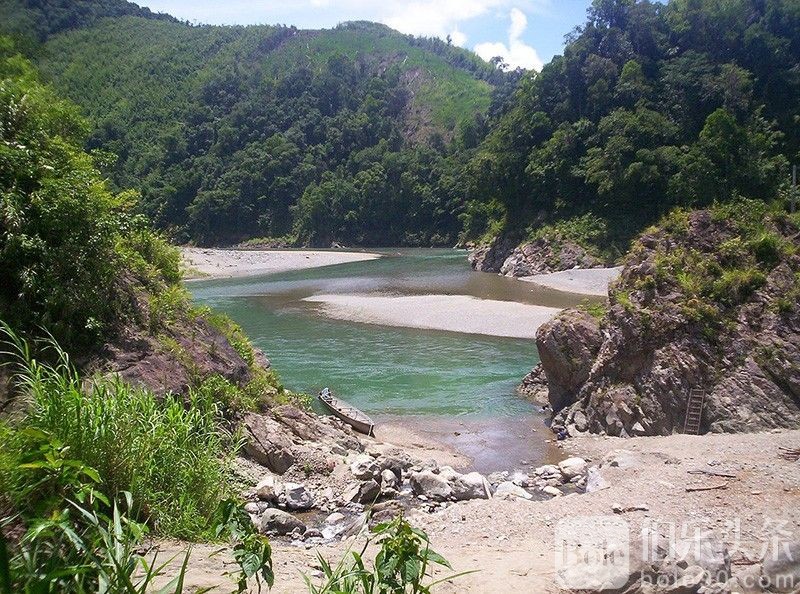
(402, 564)
(172, 458)
(651, 106)
(588, 231)
(596, 309)
(225, 130)
(67, 241)
(80, 548)
(251, 551)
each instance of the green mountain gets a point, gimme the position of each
(239, 132)
(651, 106)
(365, 136)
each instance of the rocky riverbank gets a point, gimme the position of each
(300, 463)
(723, 503)
(541, 256)
(709, 300)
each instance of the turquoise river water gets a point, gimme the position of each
(458, 388)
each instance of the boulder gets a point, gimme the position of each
(334, 518)
(365, 468)
(397, 464)
(572, 467)
(545, 255)
(309, 427)
(297, 497)
(781, 567)
(520, 478)
(267, 443)
(471, 486)
(567, 346)
(386, 510)
(490, 258)
(270, 488)
(363, 492)
(276, 521)
(433, 486)
(552, 491)
(509, 490)
(595, 481)
(389, 479)
(547, 470)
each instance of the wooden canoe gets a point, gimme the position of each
(346, 412)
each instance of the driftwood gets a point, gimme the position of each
(791, 454)
(706, 488)
(712, 473)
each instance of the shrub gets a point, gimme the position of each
(173, 459)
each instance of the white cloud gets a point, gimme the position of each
(434, 18)
(429, 18)
(517, 54)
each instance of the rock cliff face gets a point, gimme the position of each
(710, 300)
(540, 256)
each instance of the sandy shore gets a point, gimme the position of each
(455, 313)
(216, 263)
(583, 281)
(511, 544)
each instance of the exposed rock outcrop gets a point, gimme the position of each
(491, 257)
(567, 346)
(540, 256)
(709, 301)
(547, 255)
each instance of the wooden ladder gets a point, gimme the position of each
(694, 411)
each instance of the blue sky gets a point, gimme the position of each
(526, 33)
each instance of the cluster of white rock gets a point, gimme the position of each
(389, 484)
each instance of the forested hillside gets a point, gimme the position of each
(361, 135)
(651, 106)
(232, 133)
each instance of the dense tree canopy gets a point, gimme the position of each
(362, 135)
(651, 106)
(232, 133)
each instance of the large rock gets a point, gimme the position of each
(267, 443)
(661, 338)
(542, 256)
(572, 467)
(276, 521)
(297, 497)
(389, 479)
(471, 486)
(490, 258)
(365, 467)
(270, 489)
(363, 492)
(141, 359)
(509, 490)
(433, 486)
(309, 427)
(567, 347)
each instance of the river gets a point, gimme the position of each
(457, 388)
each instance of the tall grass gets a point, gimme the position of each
(173, 458)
